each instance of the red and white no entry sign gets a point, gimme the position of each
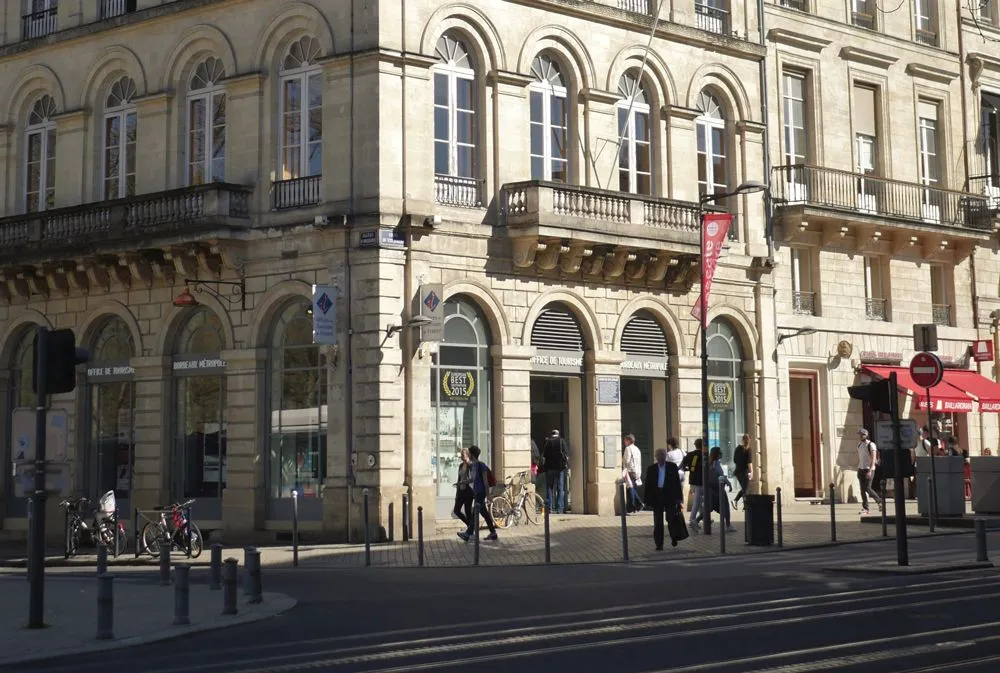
(926, 370)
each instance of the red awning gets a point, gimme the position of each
(944, 397)
(977, 385)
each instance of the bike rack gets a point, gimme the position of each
(145, 514)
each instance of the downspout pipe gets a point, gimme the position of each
(765, 112)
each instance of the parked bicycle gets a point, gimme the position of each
(105, 527)
(175, 529)
(517, 502)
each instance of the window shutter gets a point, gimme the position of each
(927, 110)
(557, 329)
(864, 110)
(644, 336)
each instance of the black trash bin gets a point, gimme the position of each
(759, 520)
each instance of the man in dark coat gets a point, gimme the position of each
(663, 494)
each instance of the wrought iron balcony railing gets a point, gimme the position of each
(636, 6)
(875, 309)
(39, 24)
(941, 314)
(295, 193)
(864, 20)
(112, 8)
(794, 4)
(871, 195)
(713, 19)
(928, 37)
(804, 303)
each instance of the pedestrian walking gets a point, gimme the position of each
(463, 490)
(482, 480)
(664, 495)
(867, 461)
(743, 470)
(631, 464)
(718, 502)
(555, 460)
(693, 467)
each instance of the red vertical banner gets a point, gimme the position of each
(714, 229)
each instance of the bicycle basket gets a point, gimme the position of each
(107, 504)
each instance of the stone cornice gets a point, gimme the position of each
(749, 126)
(495, 77)
(858, 55)
(599, 96)
(680, 112)
(798, 40)
(72, 119)
(245, 82)
(391, 56)
(930, 73)
(161, 98)
(978, 62)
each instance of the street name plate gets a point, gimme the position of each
(909, 434)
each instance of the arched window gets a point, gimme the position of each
(713, 162)
(460, 392)
(19, 394)
(110, 451)
(727, 408)
(199, 457)
(40, 157)
(298, 414)
(549, 121)
(455, 127)
(206, 123)
(635, 163)
(301, 111)
(120, 135)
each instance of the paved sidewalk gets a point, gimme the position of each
(143, 614)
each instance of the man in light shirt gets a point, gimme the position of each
(867, 462)
(632, 464)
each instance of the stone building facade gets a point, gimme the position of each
(884, 217)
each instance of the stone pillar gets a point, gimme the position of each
(339, 445)
(511, 411)
(247, 416)
(71, 143)
(154, 432)
(511, 118)
(243, 133)
(768, 461)
(416, 116)
(70, 13)
(5, 474)
(153, 140)
(600, 129)
(603, 431)
(419, 475)
(688, 389)
(8, 147)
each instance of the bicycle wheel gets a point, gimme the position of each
(534, 508)
(72, 540)
(196, 541)
(121, 542)
(152, 538)
(501, 511)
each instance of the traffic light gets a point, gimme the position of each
(881, 395)
(60, 361)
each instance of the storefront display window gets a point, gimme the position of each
(298, 408)
(726, 405)
(19, 394)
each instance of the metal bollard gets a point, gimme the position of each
(777, 499)
(105, 607)
(182, 594)
(406, 518)
(247, 588)
(295, 527)
(420, 536)
(475, 532)
(215, 572)
(931, 514)
(230, 568)
(255, 576)
(885, 521)
(102, 559)
(624, 522)
(981, 555)
(723, 505)
(833, 516)
(548, 539)
(368, 542)
(164, 563)
(392, 521)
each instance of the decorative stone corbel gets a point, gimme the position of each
(76, 276)
(209, 263)
(232, 254)
(18, 287)
(119, 273)
(869, 242)
(658, 266)
(98, 275)
(594, 266)
(37, 285)
(834, 236)
(524, 252)
(616, 263)
(185, 263)
(138, 266)
(636, 267)
(572, 260)
(56, 277)
(550, 256)
(903, 244)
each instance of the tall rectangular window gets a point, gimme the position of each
(796, 138)
(875, 295)
(925, 18)
(862, 14)
(930, 161)
(865, 146)
(940, 300)
(803, 297)
(989, 142)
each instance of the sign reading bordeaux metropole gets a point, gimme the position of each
(926, 369)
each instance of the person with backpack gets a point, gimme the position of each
(482, 480)
(555, 460)
(867, 462)
(692, 466)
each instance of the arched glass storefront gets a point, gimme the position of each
(726, 404)
(19, 394)
(460, 395)
(199, 462)
(298, 415)
(110, 449)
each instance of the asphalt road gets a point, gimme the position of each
(775, 613)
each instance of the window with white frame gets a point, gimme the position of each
(863, 14)
(455, 106)
(41, 18)
(301, 111)
(803, 297)
(875, 294)
(713, 163)
(865, 146)
(206, 123)
(930, 160)
(989, 144)
(796, 138)
(40, 156)
(925, 18)
(549, 121)
(940, 304)
(635, 164)
(120, 135)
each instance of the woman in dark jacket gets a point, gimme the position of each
(463, 490)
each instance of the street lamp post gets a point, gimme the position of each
(744, 188)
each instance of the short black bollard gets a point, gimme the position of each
(164, 563)
(247, 583)
(475, 532)
(981, 555)
(722, 520)
(215, 571)
(885, 520)
(105, 607)
(295, 527)
(624, 521)
(392, 521)
(230, 568)
(187, 531)
(833, 516)
(182, 594)
(931, 514)
(777, 499)
(420, 536)
(548, 539)
(406, 518)
(255, 577)
(368, 541)
(102, 559)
